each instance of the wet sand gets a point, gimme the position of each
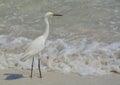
(21, 77)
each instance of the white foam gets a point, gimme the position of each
(93, 58)
(3, 39)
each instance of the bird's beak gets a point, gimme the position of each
(57, 15)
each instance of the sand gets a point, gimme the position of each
(21, 77)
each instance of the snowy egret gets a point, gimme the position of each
(38, 45)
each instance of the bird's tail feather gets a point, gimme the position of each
(23, 59)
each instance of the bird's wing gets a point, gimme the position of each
(37, 44)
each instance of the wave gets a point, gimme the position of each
(87, 58)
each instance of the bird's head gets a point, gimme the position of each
(52, 14)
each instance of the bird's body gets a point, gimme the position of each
(35, 48)
(38, 44)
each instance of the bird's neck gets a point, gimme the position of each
(47, 27)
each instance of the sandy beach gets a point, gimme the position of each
(21, 77)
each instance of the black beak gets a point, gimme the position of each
(58, 15)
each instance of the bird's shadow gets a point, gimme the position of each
(10, 76)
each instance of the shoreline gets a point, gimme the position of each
(21, 77)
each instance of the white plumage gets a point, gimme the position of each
(38, 44)
(35, 48)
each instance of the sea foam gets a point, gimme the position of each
(93, 58)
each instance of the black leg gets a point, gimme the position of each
(39, 67)
(32, 67)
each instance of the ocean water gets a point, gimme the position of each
(85, 40)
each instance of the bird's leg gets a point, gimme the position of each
(32, 67)
(39, 67)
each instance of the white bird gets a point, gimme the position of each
(38, 45)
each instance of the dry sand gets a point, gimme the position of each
(21, 77)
